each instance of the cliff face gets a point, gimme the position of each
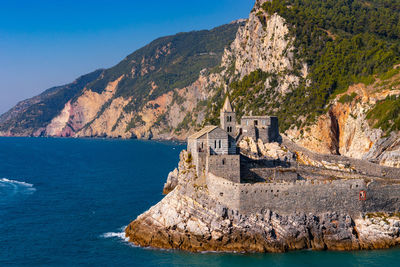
(265, 44)
(346, 130)
(189, 218)
(30, 117)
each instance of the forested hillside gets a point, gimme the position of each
(342, 41)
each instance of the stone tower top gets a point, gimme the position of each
(227, 105)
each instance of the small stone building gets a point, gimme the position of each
(265, 128)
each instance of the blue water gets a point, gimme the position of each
(64, 202)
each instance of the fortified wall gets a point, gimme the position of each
(353, 196)
(227, 166)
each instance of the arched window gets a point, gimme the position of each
(215, 143)
(219, 143)
(223, 161)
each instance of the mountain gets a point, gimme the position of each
(328, 69)
(150, 72)
(30, 116)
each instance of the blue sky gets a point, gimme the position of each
(45, 43)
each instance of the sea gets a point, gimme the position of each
(66, 202)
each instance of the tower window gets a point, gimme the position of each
(219, 143)
(215, 143)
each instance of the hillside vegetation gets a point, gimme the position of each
(167, 63)
(342, 42)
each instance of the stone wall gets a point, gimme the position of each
(267, 128)
(224, 191)
(273, 129)
(307, 196)
(226, 166)
(232, 149)
(198, 148)
(218, 142)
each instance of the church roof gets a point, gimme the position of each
(227, 105)
(203, 131)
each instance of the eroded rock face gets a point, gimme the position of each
(345, 130)
(264, 43)
(189, 219)
(77, 114)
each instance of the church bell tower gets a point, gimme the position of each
(228, 118)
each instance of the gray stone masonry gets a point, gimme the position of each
(218, 142)
(265, 128)
(227, 166)
(228, 122)
(313, 196)
(211, 140)
(228, 118)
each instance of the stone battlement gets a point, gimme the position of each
(306, 196)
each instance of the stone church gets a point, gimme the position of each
(214, 149)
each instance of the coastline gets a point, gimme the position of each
(189, 219)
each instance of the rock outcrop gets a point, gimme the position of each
(189, 219)
(345, 129)
(264, 43)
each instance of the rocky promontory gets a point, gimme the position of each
(189, 218)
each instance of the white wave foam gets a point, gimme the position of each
(5, 180)
(17, 187)
(120, 235)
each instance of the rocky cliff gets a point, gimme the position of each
(189, 219)
(350, 127)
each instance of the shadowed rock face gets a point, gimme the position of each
(188, 218)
